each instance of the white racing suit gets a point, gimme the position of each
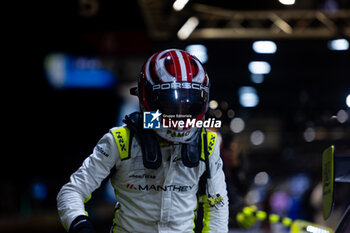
(150, 200)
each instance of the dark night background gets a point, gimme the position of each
(48, 132)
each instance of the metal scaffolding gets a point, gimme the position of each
(219, 23)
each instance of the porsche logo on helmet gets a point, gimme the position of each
(179, 85)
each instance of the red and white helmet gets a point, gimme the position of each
(175, 83)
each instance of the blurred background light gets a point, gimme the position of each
(179, 4)
(280, 201)
(287, 2)
(230, 113)
(330, 5)
(199, 51)
(264, 46)
(342, 116)
(55, 69)
(257, 137)
(253, 197)
(261, 178)
(218, 113)
(309, 134)
(257, 78)
(39, 190)
(237, 125)
(186, 30)
(259, 67)
(223, 105)
(338, 45)
(299, 183)
(348, 101)
(213, 104)
(248, 96)
(66, 71)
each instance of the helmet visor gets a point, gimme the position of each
(181, 102)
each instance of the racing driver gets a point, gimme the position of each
(159, 175)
